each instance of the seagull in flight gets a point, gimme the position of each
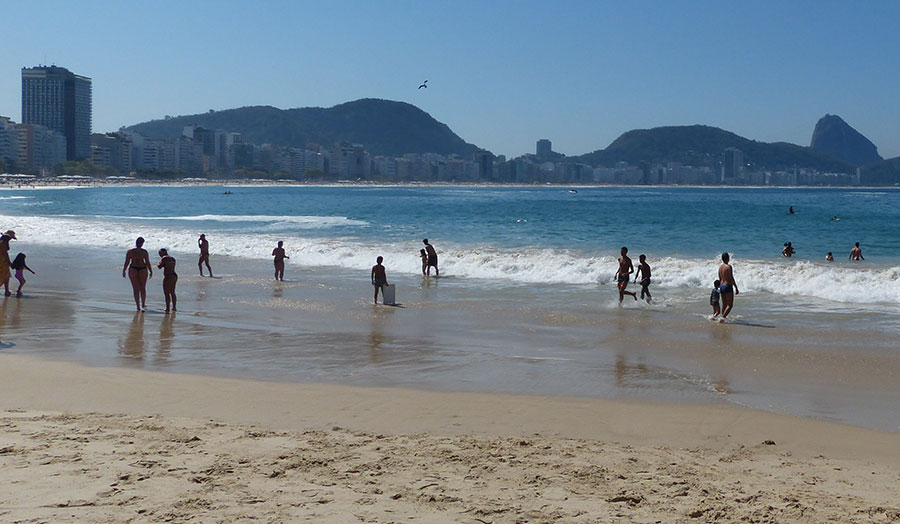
(424, 84)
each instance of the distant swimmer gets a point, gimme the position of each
(714, 298)
(643, 272)
(204, 254)
(626, 268)
(791, 210)
(856, 253)
(137, 264)
(788, 250)
(279, 255)
(432, 259)
(829, 257)
(573, 191)
(379, 278)
(834, 218)
(424, 85)
(170, 278)
(728, 288)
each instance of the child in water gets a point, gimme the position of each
(424, 256)
(19, 266)
(714, 299)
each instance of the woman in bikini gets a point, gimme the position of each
(170, 277)
(137, 264)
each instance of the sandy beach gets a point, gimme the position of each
(82, 444)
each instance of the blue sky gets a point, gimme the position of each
(501, 74)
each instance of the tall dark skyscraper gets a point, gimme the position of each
(56, 98)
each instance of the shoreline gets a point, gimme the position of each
(111, 444)
(46, 184)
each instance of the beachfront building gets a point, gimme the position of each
(59, 100)
(543, 148)
(39, 148)
(9, 145)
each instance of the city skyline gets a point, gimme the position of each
(501, 75)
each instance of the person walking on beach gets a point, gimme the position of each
(379, 278)
(204, 255)
(170, 277)
(643, 272)
(432, 259)
(623, 274)
(855, 254)
(279, 255)
(137, 264)
(5, 263)
(728, 288)
(20, 266)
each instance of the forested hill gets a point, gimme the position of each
(703, 145)
(384, 127)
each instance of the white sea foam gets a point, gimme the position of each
(14, 197)
(310, 221)
(836, 282)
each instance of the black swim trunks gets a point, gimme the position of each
(432, 260)
(645, 283)
(622, 280)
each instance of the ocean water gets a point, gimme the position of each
(526, 301)
(505, 236)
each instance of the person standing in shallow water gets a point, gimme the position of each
(856, 253)
(643, 272)
(626, 268)
(727, 286)
(5, 262)
(432, 259)
(137, 265)
(170, 278)
(279, 255)
(379, 277)
(204, 254)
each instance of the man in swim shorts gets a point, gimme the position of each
(204, 254)
(727, 286)
(855, 253)
(626, 268)
(379, 277)
(432, 259)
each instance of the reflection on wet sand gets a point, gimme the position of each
(166, 337)
(132, 343)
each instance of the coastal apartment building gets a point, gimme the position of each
(59, 100)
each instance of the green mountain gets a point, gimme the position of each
(884, 173)
(384, 127)
(703, 146)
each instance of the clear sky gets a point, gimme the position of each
(501, 74)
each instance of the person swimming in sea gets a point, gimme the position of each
(829, 257)
(788, 250)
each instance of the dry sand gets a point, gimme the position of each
(82, 444)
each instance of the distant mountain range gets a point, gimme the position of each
(393, 128)
(384, 127)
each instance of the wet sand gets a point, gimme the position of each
(449, 334)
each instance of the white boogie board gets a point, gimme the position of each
(389, 294)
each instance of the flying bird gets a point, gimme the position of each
(424, 84)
